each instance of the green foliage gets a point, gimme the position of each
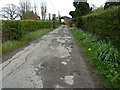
(81, 8)
(13, 44)
(103, 56)
(104, 23)
(9, 46)
(72, 13)
(79, 22)
(72, 21)
(107, 52)
(15, 29)
(110, 4)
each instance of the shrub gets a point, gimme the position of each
(79, 22)
(104, 23)
(15, 29)
(72, 22)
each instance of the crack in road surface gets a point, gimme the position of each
(54, 61)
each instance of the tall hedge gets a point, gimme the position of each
(104, 23)
(15, 29)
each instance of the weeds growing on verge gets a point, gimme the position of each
(103, 56)
(13, 44)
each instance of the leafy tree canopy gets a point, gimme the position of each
(81, 8)
(109, 4)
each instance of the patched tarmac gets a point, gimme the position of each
(54, 61)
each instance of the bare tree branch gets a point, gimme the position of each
(10, 11)
(43, 10)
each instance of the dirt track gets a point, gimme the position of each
(54, 61)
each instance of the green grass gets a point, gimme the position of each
(11, 45)
(102, 56)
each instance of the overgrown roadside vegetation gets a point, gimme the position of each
(15, 29)
(102, 22)
(13, 44)
(16, 33)
(103, 56)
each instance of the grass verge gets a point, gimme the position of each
(103, 56)
(11, 45)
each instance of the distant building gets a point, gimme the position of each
(30, 16)
(66, 19)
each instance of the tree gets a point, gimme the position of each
(109, 4)
(53, 18)
(72, 13)
(27, 12)
(43, 10)
(10, 11)
(35, 7)
(25, 8)
(49, 16)
(81, 8)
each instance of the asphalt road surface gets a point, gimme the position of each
(53, 61)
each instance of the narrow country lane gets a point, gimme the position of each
(54, 61)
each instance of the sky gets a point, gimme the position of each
(53, 6)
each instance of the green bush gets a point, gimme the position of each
(15, 29)
(72, 21)
(104, 23)
(79, 22)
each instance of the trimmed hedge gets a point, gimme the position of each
(15, 29)
(104, 23)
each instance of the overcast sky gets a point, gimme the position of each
(53, 6)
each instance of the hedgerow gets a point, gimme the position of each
(104, 23)
(9, 46)
(15, 29)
